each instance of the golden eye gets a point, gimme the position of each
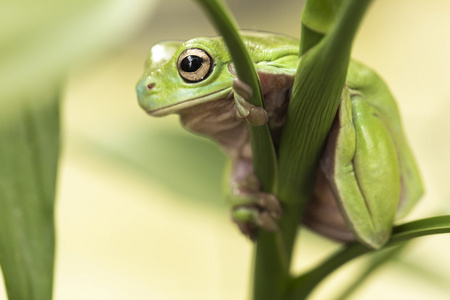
(194, 65)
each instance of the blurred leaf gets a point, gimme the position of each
(29, 146)
(40, 39)
(426, 272)
(378, 260)
(305, 283)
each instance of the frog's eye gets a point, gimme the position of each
(194, 65)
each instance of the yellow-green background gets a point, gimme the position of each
(139, 208)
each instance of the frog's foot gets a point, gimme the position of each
(255, 115)
(251, 211)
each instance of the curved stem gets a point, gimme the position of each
(264, 158)
(305, 283)
(375, 263)
(270, 264)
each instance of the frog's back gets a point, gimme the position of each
(262, 43)
(272, 53)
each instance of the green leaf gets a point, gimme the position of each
(29, 146)
(39, 41)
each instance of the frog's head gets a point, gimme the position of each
(180, 75)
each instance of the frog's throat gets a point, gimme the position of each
(174, 108)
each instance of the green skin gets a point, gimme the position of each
(368, 177)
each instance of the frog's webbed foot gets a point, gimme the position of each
(252, 209)
(263, 212)
(255, 115)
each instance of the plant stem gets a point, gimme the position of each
(264, 159)
(315, 98)
(316, 92)
(268, 245)
(305, 283)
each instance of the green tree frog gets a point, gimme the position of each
(367, 177)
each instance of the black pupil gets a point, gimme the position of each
(191, 63)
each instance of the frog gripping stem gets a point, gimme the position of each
(255, 115)
(261, 210)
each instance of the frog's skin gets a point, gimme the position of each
(368, 176)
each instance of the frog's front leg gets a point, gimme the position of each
(255, 115)
(250, 208)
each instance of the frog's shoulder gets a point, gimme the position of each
(269, 46)
(269, 39)
(360, 75)
(272, 53)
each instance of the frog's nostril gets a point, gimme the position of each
(151, 85)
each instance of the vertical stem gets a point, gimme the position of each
(315, 98)
(318, 84)
(264, 159)
(270, 263)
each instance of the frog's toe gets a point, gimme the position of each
(250, 219)
(256, 115)
(270, 204)
(263, 213)
(246, 218)
(242, 89)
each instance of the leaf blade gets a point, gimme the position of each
(29, 148)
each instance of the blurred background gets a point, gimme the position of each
(140, 213)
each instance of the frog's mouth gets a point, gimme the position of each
(174, 108)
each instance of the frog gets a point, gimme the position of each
(367, 177)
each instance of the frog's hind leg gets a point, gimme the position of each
(250, 208)
(323, 214)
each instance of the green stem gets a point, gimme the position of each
(305, 283)
(317, 89)
(309, 39)
(264, 159)
(318, 17)
(316, 92)
(319, 81)
(270, 262)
